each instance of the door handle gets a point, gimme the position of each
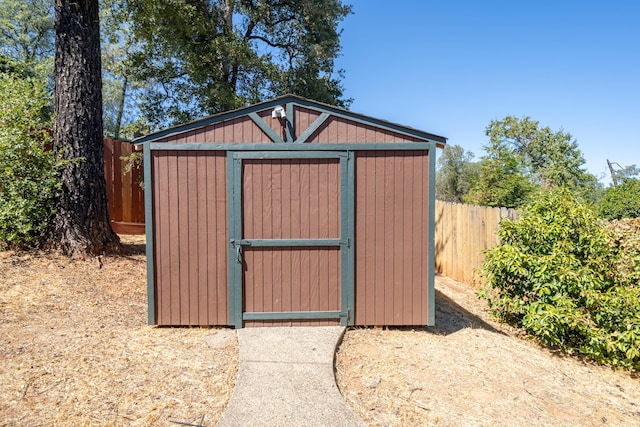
(239, 254)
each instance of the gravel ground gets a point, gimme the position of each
(77, 351)
(470, 371)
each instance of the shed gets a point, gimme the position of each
(290, 212)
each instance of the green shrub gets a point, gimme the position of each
(569, 279)
(28, 171)
(621, 201)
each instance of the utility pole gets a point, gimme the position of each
(613, 173)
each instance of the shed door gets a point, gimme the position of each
(290, 237)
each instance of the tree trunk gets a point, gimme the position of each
(81, 223)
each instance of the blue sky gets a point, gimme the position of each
(450, 67)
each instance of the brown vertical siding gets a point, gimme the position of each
(190, 237)
(338, 129)
(291, 199)
(238, 130)
(303, 118)
(391, 238)
(292, 279)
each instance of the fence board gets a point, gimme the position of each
(463, 233)
(125, 195)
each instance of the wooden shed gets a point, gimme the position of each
(290, 212)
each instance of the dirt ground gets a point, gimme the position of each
(77, 350)
(470, 371)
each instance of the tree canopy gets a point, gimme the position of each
(522, 156)
(621, 201)
(26, 29)
(455, 174)
(205, 56)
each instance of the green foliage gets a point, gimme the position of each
(28, 171)
(501, 181)
(523, 156)
(207, 56)
(621, 201)
(26, 29)
(566, 278)
(455, 174)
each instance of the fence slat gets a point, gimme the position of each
(124, 195)
(463, 233)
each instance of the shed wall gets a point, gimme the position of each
(391, 238)
(190, 237)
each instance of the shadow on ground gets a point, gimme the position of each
(134, 248)
(451, 318)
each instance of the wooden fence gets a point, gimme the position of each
(462, 233)
(124, 193)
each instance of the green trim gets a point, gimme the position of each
(295, 154)
(312, 128)
(350, 283)
(372, 146)
(290, 132)
(234, 207)
(345, 280)
(148, 215)
(272, 243)
(432, 254)
(265, 128)
(291, 315)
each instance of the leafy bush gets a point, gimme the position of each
(28, 172)
(621, 201)
(569, 279)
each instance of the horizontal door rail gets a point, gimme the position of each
(292, 315)
(270, 243)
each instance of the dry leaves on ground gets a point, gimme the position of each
(77, 349)
(470, 371)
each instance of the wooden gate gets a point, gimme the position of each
(291, 234)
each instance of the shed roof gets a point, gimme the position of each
(292, 100)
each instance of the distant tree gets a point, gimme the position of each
(81, 224)
(550, 159)
(205, 56)
(522, 156)
(455, 174)
(621, 201)
(26, 30)
(501, 180)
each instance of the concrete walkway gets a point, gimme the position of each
(286, 378)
